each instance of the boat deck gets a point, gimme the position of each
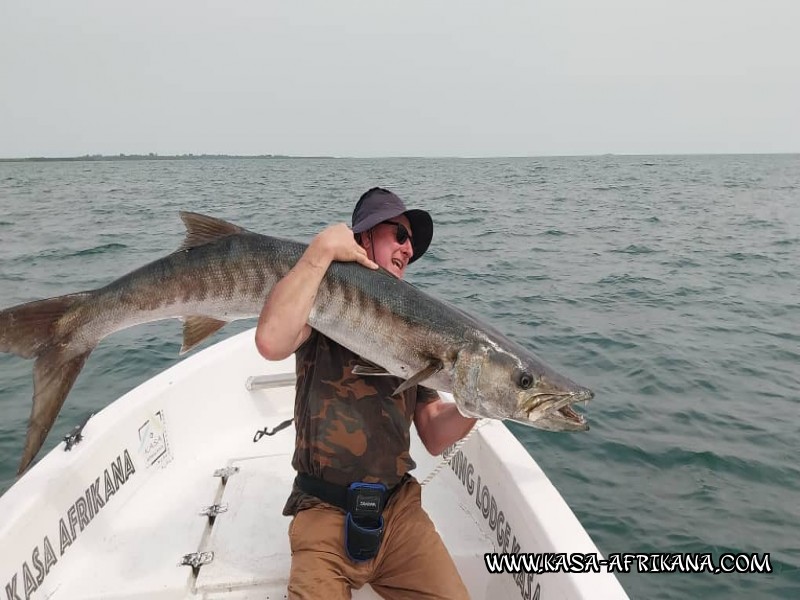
(248, 539)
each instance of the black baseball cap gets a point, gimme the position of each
(378, 205)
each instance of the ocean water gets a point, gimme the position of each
(668, 284)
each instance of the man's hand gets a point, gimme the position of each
(337, 243)
(283, 324)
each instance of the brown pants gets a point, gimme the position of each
(412, 561)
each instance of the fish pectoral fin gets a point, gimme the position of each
(196, 329)
(202, 229)
(368, 368)
(433, 367)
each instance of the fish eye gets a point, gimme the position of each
(525, 380)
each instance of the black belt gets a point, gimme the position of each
(337, 495)
(363, 504)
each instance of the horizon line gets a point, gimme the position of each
(193, 156)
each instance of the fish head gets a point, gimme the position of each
(490, 381)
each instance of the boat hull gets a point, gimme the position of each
(113, 517)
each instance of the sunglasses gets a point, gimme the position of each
(401, 233)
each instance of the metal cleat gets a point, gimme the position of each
(75, 436)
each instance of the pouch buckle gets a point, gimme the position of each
(366, 499)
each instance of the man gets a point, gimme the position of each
(357, 512)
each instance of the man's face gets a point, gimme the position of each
(382, 245)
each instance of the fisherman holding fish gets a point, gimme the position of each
(357, 515)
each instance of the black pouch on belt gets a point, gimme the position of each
(363, 529)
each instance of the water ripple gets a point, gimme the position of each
(666, 284)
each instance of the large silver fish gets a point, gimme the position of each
(223, 272)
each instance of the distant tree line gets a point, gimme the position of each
(150, 156)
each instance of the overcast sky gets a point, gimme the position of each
(410, 78)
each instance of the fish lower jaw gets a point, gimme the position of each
(559, 414)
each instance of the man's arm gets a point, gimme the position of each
(282, 325)
(440, 425)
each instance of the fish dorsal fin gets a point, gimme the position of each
(196, 329)
(433, 367)
(202, 229)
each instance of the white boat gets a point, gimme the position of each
(115, 516)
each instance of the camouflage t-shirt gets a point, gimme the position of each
(349, 427)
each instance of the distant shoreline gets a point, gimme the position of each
(156, 157)
(152, 156)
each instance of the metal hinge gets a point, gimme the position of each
(214, 510)
(196, 560)
(226, 472)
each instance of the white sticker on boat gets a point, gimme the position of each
(154, 441)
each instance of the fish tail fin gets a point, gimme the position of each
(54, 374)
(26, 329)
(36, 330)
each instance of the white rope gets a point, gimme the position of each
(450, 452)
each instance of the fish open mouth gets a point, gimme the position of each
(557, 413)
(563, 415)
(571, 415)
